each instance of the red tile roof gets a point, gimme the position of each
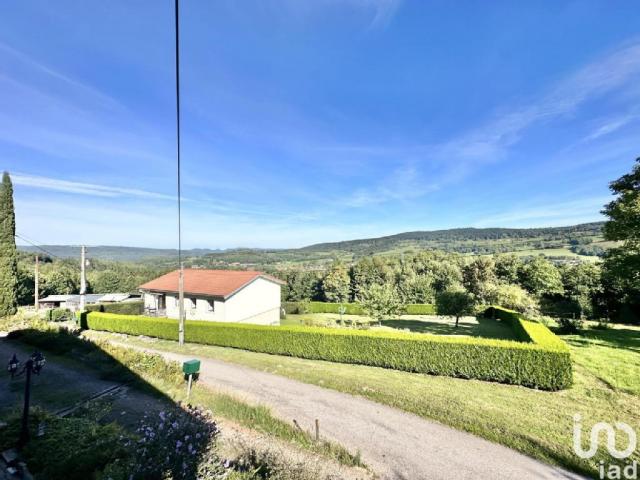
(213, 283)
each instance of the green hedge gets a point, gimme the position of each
(420, 309)
(522, 363)
(124, 308)
(351, 308)
(58, 315)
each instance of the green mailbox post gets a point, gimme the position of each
(190, 368)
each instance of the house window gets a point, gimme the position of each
(212, 305)
(191, 303)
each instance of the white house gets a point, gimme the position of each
(216, 295)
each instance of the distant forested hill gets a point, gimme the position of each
(121, 254)
(473, 240)
(584, 240)
(560, 242)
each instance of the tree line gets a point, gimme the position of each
(531, 285)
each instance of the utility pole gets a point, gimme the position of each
(36, 293)
(83, 276)
(181, 264)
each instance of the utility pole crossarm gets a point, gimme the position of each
(83, 277)
(36, 292)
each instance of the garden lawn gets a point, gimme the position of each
(433, 324)
(537, 423)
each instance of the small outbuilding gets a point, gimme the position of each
(216, 295)
(71, 302)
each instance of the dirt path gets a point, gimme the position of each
(395, 444)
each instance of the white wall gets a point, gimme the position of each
(258, 303)
(196, 308)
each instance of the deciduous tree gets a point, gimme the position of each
(622, 264)
(337, 283)
(541, 277)
(381, 302)
(455, 302)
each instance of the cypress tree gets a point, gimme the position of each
(8, 253)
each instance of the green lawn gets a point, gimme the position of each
(434, 324)
(537, 423)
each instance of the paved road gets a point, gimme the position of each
(395, 444)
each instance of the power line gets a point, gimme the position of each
(21, 237)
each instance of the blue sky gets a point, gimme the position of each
(306, 122)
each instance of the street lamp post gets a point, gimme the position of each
(34, 364)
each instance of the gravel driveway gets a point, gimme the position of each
(395, 444)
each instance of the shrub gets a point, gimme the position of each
(58, 315)
(570, 325)
(178, 443)
(513, 297)
(603, 324)
(124, 308)
(381, 302)
(71, 449)
(541, 361)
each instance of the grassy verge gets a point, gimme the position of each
(606, 388)
(154, 375)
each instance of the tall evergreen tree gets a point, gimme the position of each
(8, 253)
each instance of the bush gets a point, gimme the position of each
(71, 449)
(570, 325)
(541, 361)
(164, 442)
(58, 315)
(124, 308)
(513, 297)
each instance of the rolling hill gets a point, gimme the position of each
(571, 241)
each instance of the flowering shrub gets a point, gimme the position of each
(176, 444)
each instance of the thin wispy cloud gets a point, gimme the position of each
(571, 211)
(213, 205)
(611, 125)
(490, 142)
(54, 74)
(377, 12)
(81, 188)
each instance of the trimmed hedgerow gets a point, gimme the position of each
(123, 308)
(521, 363)
(322, 307)
(351, 308)
(420, 309)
